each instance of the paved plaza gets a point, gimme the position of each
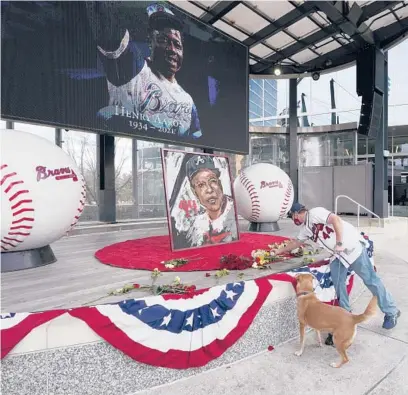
(378, 358)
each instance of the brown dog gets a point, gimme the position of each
(323, 317)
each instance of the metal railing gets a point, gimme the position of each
(359, 206)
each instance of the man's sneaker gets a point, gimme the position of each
(391, 320)
(329, 340)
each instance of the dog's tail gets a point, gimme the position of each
(369, 311)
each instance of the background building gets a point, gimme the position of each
(263, 102)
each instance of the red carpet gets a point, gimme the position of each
(148, 253)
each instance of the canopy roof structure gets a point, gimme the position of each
(304, 36)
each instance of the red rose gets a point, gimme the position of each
(136, 285)
(258, 259)
(270, 348)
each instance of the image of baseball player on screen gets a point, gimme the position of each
(144, 92)
(213, 219)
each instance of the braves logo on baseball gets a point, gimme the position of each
(263, 193)
(271, 184)
(37, 208)
(62, 173)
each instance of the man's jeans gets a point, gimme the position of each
(363, 268)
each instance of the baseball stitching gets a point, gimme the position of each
(80, 206)
(21, 206)
(286, 200)
(255, 201)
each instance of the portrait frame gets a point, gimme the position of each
(188, 219)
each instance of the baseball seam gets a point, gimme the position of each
(81, 205)
(253, 195)
(21, 207)
(286, 200)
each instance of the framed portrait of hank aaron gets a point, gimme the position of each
(201, 209)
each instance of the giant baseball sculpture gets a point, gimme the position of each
(263, 193)
(42, 191)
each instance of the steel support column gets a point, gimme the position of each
(58, 137)
(293, 144)
(381, 161)
(106, 177)
(135, 179)
(208, 151)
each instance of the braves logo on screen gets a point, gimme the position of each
(154, 101)
(317, 228)
(59, 174)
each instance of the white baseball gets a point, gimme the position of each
(42, 191)
(263, 193)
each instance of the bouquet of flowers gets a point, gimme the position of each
(173, 263)
(235, 262)
(262, 258)
(176, 287)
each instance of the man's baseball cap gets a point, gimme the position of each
(200, 162)
(160, 17)
(296, 208)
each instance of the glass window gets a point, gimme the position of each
(370, 146)
(257, 123)
(362, 145)
(255, 109)
(255, 86)
(253, 115)
(236, 162)
(271, 149)
(150, 187)
(81, 146)
(399, 145)
(269, 110)
(329, 149)
(271, 122)
(125, 208)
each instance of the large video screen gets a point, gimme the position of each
(136, 68)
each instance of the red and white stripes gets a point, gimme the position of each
(255, 201)
(286, 200)
(21, 207)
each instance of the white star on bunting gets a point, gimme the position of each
(166, 320)
(230, 294)
(215, 313)
(189, 320)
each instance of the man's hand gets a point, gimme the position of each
(291, 246)
(338, 249)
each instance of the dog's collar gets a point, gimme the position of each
(304, 293)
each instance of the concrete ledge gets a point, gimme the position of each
(64, 356)
(98, 368)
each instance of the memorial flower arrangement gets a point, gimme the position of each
(177, 262)
(235, 262)
(262, 258)
(173, 263)
(176, 287)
